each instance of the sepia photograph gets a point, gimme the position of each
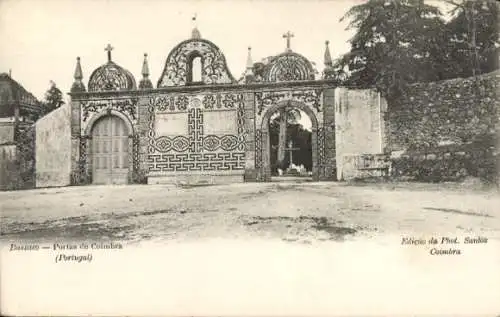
(249, 158)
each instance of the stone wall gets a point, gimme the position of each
(446, 130)
(359, 133)
(456, 111)
(53, 148)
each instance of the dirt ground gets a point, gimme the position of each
(289, 211)
(274, 249)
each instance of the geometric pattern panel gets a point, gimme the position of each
(223, 148)
(210, 143)
(258, 149)
(196, 162)
(209, 101)
(321, 148)
(195, 128)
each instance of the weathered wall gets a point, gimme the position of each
(26, 158)
(7, 130)
(9, 170)
(359, 131)
(446, 130)
(53, 148)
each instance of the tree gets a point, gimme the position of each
(53, 97)
(286, 116)
(301, 139)
(473, 34)
(397, 42)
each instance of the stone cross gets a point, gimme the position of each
(288, 35)
(290, 149)
(109, 48)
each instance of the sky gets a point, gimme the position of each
(41, 39)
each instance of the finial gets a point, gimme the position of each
(78, 85)
(78, 70)
(109, 48)
(328, 58)
(145, 67)
(10, 72)
(195, 34)
(288, 35)
(249, 75)
(145, 83)
(249, 58)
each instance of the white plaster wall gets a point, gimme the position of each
(359, 125)
(53, 148)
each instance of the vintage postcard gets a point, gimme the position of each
(249, 158)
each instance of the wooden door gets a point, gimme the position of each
(110, 151)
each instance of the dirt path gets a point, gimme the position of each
(303, 212)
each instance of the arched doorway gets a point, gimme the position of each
(110, 151)
(266, 170)
(290, 136)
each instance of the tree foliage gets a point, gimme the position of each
(286, 116)
(472, 37)
(400, 42)
(301, 139)
(53, 98)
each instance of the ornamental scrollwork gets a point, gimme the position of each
(264, 100)
(128, 106)
(111, 77)
(177, 66)
(311, 98)
(288, 67)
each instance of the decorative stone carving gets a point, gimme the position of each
(288, 66)
(127, 106)
(311, 98)
(111, 77)
(197, 151)
(178, 64)
(210, 102)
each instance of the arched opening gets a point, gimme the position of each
(289, 135)
(290, 138)
(110, 151)
(195, 69)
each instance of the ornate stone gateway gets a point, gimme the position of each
(214, 129)
(268, 103)
(110, 151)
